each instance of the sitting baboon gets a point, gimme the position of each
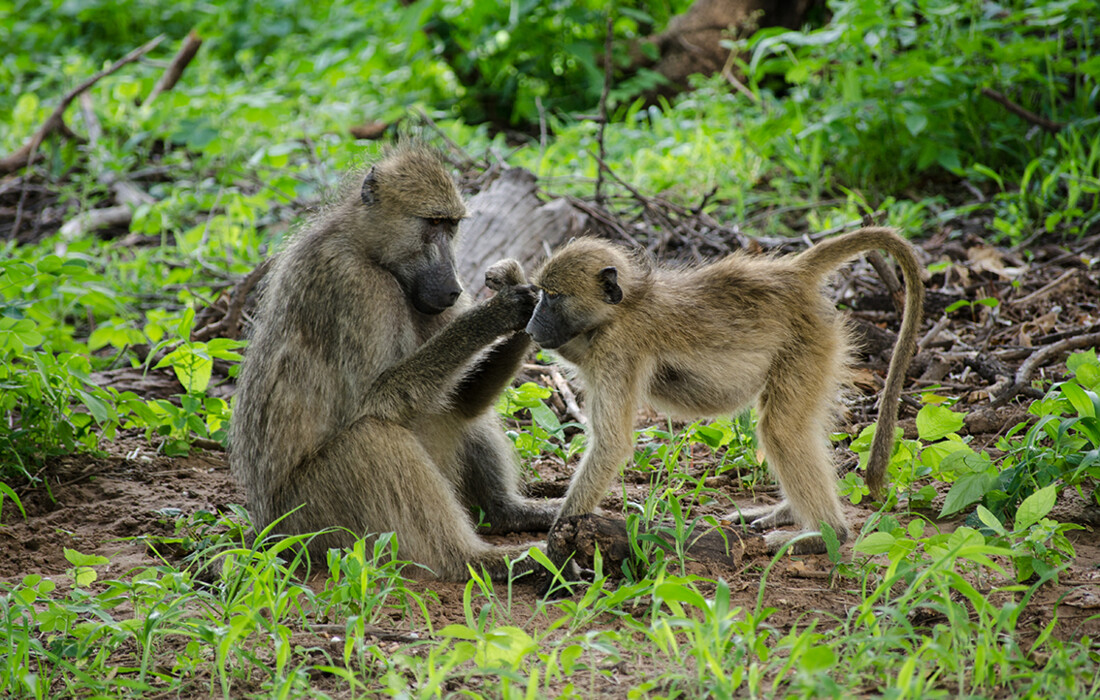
(710, 340)
(365, 397)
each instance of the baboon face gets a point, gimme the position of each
(415, 200)
(572, 300)
(427, 274)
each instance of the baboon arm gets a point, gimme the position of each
(482, 385)
(610, 440)
(427, 377)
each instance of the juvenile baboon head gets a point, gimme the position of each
(415, 210)
(579, 289)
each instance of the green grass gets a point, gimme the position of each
(881, 110)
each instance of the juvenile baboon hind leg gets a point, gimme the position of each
(793, 428)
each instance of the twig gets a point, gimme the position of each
(932, 333)
(467, 163)
(1025, 114)
(607, 68)
(229, 325)
(1036, 360)
(567, 395)
(55, 122)
(175, 69)
(1046, 289)
(727, 73)
(370, 630)
(94, 219)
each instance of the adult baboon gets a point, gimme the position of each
(709, 340)
(365, 397)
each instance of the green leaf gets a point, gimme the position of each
(916, 122)
(1035, 507)
(817, 658)
(876, 543)
(458, 632)
(1081, 400)
(990, 520)
(934, 422)
(968, 489)
(680, 593)
(77, 559)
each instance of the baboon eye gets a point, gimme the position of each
(436, 221)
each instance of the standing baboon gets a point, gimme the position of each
(364, 400)
(709, 340)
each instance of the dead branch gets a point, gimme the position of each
(230, 324)
(175, 69)
(1036, 360)
(1046, 289)
(1025, 114)
(94, 219)
(567, 395)
(55, 122)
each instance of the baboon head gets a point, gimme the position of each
(415, 209)
(579, 288)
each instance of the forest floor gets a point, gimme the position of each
(121, 503)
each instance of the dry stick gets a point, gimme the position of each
(607, 66)
(175, 69)
(1027, 115)
(1046, 289)
(228, 327)
(55, 122)
(727, 73)
(567, 396)
(24, 157)
(467, 163)
(1036, 359)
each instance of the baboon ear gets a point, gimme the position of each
(367, 193)
(609, 278)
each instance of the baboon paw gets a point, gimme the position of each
(504, 273)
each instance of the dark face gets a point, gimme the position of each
(429, 278)
(552, 325)
(560, 317)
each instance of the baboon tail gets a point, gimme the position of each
(825, 257)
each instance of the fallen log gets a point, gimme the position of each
(508, 220)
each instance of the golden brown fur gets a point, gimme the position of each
(365, 395)
(711, 340)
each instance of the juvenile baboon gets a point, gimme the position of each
(709, 340)
(365, 395)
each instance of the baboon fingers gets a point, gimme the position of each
(504, 273)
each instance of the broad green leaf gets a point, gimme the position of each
(458, 632)
(77, 559)
(1082, 401)
(968, 489)
(875, 543)
(680, 593)
(818, 658)
(1035, 507)
(990, 520)
(934, 422)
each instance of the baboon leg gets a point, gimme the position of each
(376, 477)
(490, 478)
(793, 427)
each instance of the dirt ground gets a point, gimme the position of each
(105, 505)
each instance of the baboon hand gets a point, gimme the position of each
(504, 273)
(514, 305)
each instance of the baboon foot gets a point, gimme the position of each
(812, 544)
(764, 517)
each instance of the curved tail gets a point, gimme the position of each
(825, 257)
